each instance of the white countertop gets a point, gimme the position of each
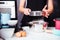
(32, 35)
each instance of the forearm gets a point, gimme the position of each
(21, 6)
(50, 6)
(21, 9)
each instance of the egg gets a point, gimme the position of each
(23, 34)
(18, 34)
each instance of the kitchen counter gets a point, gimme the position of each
(32, 35)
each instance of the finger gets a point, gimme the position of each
(26, 13)
(46, 16)
(45, 6)
(29, 10)
(44, 13)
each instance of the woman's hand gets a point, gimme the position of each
(46, 12)
(22, 8)
(27, 11)
(49, 10)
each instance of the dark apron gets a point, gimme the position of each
(34, 5)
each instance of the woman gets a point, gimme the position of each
(26, 6)
(41, 3)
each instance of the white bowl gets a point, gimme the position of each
(26, 27)
(7, 32)
(12, 22)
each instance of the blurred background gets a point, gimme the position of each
(16, 15)
(55, 14)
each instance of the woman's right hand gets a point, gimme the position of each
(27, 11)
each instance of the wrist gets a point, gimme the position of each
(21, 10)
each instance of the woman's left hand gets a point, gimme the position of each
(45, 12)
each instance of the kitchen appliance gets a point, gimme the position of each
(10, 7)
(8, 12)
(5, 17)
